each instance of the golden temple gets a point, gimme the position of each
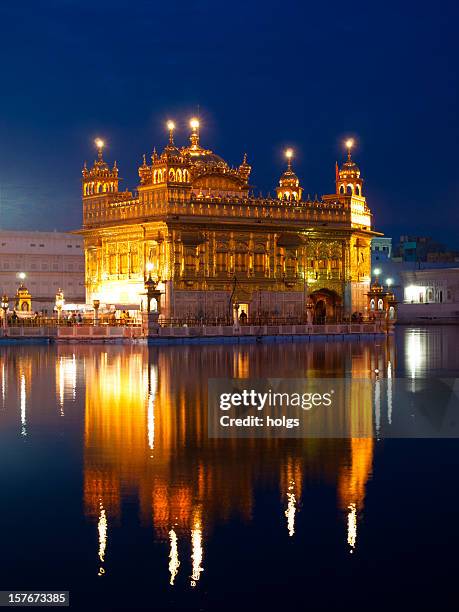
(196, 228)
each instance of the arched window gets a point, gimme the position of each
(178, 175)
(372, 304)
(155, 177)
(380, 304)
(171, 175)
(186, 176)
(349, 190)
(357, 190)
(341, 189)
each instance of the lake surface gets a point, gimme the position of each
(112, 489)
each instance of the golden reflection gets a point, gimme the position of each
(353, 481)
(291, 482)
(174, 562)
(146, 438)
(152, 389)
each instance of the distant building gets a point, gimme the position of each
(44, 262)
(446, 257)
(381, 249)
(418, 248)
(430, 296)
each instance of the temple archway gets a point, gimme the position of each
(327, 306)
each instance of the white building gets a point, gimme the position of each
(430, 296)
(49, 260)
(381, 249)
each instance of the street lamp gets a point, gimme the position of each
(5, 306)
(59, 303)
(150, 287)
(96, 305)
(389, 282)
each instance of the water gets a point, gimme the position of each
(112, 490)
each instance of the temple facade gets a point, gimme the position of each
(194, 226)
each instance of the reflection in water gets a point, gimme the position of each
(174, 562)
(66, 379)
(146, 448)
(23, 404)
(352, 526)
(152, 389)
(290, 482)
(3, 385)
(102, 529)
(196, 549)
(141, 400)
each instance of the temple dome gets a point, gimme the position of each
(350, 167)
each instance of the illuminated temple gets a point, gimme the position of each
(194, 225)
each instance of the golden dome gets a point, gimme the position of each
(350, 167)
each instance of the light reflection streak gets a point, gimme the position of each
(23, 405)
(66, 379)
(174, 562)
(352, 526)
(291, 509)
(377, 406)
(102, 529)
(389, 393)
(3, 385)
(152, 389)
(196, 552)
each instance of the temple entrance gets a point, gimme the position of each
(320, 312)
(326, 306)
(243, 313)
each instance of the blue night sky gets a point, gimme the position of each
(264, 74)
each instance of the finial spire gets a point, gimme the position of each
(171, 128)
(349, 145)
(194, 138)
(289, 155)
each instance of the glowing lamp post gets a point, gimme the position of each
(59, 303)
(96, 306)
(100, 144)
(171, 128)
(150, 289)
(349, 144)
(5, 306)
